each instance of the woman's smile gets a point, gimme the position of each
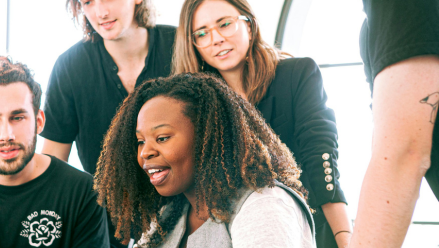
(157, 174)
(165, 145)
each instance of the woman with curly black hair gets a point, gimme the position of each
(189, 163)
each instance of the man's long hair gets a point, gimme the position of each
(144, 14)
(233, 149)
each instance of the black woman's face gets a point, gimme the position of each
(165, 145)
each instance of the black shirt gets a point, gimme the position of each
(84, 92)
(295, 107)
(397, 30)
(56, 209)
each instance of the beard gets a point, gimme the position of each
(15, 165)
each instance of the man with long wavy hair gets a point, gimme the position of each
(44, 202)
(122, 47)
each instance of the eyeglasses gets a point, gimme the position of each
(226, 28)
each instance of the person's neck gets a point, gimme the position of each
(37, 166)
(202, 214)
(234, 80)
(132, 48)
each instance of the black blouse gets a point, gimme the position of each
(295, 107)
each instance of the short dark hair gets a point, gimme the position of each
(17, 72)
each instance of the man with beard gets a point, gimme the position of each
(44, 202)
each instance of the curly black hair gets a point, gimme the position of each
(234, 148)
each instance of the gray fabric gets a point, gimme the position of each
(270, 213)
(302, 204)
(271, 218)
(210, 234)
(247, 192)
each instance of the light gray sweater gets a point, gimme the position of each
(273, 217)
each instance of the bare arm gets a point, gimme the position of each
(402, 142)
(59, 150)
(338, 220)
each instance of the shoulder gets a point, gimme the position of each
(163, 38)
(165, 31)
(297, 64)
(69, 175)
(78, 50)
(397, 30)
(275, 195)
(271, 217)
(78, 55)
(291, 73)
(75, 65)
(269, 202)
(165, 28)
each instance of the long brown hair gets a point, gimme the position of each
(234, 149)
(144, 14)
(262, 58)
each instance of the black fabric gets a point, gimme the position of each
(56, 209)
(395, 31)
(84, 92)
(324, 235)
(295, 107)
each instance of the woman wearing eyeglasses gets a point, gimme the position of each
(223, 37)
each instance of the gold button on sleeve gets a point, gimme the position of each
(328, 178)
(330, 186)
(326, 164)
(328, 171)
(325, 156)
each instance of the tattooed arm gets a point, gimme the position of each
(403, 110)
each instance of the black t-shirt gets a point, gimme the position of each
(56, 209)
(84, 92)
(397, 30)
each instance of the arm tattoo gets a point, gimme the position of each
(433, 101)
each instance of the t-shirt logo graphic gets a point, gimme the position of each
(41, 229)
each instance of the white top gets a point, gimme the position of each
(271, 218)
